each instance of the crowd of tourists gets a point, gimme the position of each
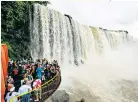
(24, 76)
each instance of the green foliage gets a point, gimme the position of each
(10, 50)
(9, 46)
(14, 19)
(15, 27)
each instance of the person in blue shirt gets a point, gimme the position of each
(39, 71)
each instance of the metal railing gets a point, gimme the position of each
(47, 89)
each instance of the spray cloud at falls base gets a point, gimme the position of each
(97, 64)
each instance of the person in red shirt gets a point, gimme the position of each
(15, 71)
(15, 74)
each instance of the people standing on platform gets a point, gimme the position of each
(28, 75)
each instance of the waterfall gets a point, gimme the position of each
(105, 75)
(59, 37)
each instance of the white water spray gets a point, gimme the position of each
(105, 78)
(110, 78)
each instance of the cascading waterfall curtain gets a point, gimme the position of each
(55, 36)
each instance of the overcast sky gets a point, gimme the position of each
(114, 14)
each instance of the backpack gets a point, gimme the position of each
(29, 77)
(38, 83)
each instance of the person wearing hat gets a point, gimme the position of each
(10, 97)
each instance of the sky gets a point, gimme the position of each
(114, 14)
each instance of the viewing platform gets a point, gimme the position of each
(47, 89)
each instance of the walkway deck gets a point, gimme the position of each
(47, 89)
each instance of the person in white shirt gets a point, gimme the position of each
(24, 89)
(10, 97)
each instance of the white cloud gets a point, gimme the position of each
(110, 15)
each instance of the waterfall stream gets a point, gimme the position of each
(102, 73)
(55, 36)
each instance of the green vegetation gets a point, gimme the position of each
(15, 27)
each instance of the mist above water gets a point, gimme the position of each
(109, 72)
(112, 77)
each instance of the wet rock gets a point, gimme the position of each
(60, 96)
(82, 100)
